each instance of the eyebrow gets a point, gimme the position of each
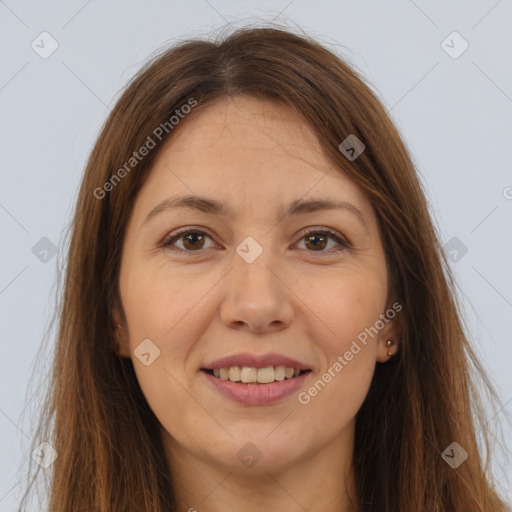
(218, 208)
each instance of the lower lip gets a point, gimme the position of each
(257, 394)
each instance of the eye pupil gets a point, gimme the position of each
(317, 236)
(193, 236)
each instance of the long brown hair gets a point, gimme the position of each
(110, 455)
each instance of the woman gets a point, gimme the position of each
(257, 312)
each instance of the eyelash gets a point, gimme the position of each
(168, 241)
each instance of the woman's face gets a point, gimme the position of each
(252, 279)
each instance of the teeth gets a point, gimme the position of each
(266, 375)
(247, 374)
(234, 374)
(279, 372)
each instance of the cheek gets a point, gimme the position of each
(331, 400)
(346, 305)
(348, 358)
(159, 300)
(347, 313)
(169, 308)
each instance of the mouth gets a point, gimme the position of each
(245, 375)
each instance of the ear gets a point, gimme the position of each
(121, 334)
(392, 330)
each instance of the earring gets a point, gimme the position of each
(388, 344)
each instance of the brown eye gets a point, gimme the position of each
(317, 241)
(192, 240)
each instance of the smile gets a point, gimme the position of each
(254, 392)
(253, 375)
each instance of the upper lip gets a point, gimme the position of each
(254, 361)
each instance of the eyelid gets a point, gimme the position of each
(174, 236)
(342, 241)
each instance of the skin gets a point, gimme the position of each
(295, 299)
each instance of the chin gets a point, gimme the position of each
(254, 452)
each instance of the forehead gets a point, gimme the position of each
(266, 122)
(243, 126)
(246, 152)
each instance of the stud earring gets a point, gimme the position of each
(388, 344)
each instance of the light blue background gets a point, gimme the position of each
(455, 115)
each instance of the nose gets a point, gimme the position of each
(257, 297)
